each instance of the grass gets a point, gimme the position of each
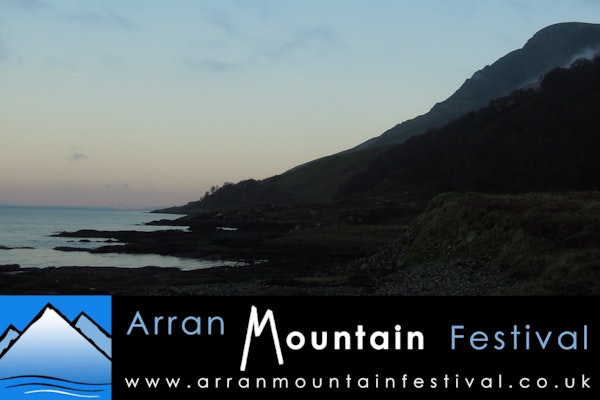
(359, 239)
(550, 242)
(320, 179)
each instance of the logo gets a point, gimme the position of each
(55, 347)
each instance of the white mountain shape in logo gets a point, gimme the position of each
(51, 346)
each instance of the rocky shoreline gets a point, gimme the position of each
(452, 279)
(287, 272)
(457, 245)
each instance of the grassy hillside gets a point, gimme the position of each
(316, 181)
(547, 243)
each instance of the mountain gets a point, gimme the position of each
(534, 140)
(555, 46)
(51, 346)
(94, 333)
(7, 337)
(321, 180)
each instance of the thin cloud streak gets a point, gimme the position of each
(212, 65)
(301, 39)
(107, 17)
(25, 5)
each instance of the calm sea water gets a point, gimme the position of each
(22, 387)
(27, 231)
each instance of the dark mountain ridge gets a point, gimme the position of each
(354, 170)
(535, 140)
(555, 46)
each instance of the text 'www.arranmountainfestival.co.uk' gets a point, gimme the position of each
(374, 382)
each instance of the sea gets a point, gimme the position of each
(26, 238)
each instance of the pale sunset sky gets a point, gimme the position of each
(147, 103)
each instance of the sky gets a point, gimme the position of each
(147, 103)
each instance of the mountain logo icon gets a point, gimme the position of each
(61, 352)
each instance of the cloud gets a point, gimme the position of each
(25, 5)
(106, 16)
(8, 56)
(9, 8)
(242, 34)
(224, 24)
(77, 156)
(212, 64)
(260, 7)
(300, 39)
(306, 37)
(116, 186)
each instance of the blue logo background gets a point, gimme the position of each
(55, 347)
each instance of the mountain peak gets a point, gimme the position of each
(6, 339)
(50, 337)
(560, 30)
(94, 332)
(557, 45)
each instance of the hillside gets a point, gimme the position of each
(555, 46)
(504, 200)
(323, 179)
(471, 243)
(544, 139)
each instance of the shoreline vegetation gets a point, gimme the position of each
(456, 244)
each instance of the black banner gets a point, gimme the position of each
(410, 347)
